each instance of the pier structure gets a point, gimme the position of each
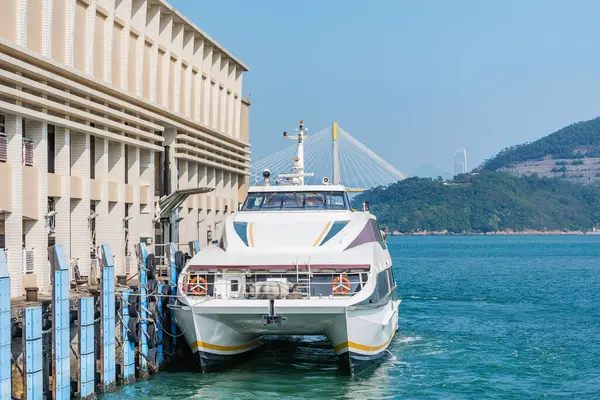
(78, 343)
(121, 122)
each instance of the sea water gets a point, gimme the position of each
(481, 317)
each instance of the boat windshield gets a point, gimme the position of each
(272, 201)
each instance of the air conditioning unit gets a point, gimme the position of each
(28, 261)
(3, 148)
(27, 152)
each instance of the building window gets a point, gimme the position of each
(51, 147)
(92, 157)
(2, 124)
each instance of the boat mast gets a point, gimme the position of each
(298, 173)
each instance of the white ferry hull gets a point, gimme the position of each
(218, 335)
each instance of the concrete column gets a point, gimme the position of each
(14, 220)
(37, 234)
(116, 210)
(102, 221)
(133, 170)
(202, 214)
(147, 179)
(80, 208)
(184, 213)
(47, 28)
(90, 20)
(192, 227)
(62, 167)
(21, 23)
(70, 32)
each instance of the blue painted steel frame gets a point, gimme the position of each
(195, 247)
(107, 315)
(128, 366)
(5, 338)
(142, 253)
(159, 327)
(87, 357)
(32, 343)
(173, 300)
(61, 334)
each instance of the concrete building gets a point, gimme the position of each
(107, 106)
(460, 162)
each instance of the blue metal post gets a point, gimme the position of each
(87, 357)
(142, 254)
(128, 348)
(171, 250)
(32, 343)
(159, 327)
(107, 321)
(194, 247)
(5, 365)
(61, 335)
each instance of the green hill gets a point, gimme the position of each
(581, 139)
(484, 202)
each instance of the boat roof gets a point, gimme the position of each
(297, 188)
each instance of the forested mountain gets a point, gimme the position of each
(484, 202)
(578, 140)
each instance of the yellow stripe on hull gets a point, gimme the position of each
(209, 346)
(351, 345)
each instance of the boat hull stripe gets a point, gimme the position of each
(316, 243)
(197, 345)
(358, 346)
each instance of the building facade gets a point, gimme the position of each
(107, 106)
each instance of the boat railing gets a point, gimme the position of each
(295, 284)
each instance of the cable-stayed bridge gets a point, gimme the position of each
(358, 166)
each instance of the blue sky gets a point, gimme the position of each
(412, 80)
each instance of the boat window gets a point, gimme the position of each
(266, 201)
(235, 285)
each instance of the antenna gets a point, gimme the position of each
(298, 174)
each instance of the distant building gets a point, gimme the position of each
(460, 162)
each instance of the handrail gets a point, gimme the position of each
(302, 285)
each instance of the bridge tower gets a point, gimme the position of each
(336, 159)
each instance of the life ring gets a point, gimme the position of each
(341, 285)
(198, 286)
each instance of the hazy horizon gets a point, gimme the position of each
(413, 81)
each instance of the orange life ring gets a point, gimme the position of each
(198, 286)
(341, 285)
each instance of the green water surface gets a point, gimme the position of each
(481, 317)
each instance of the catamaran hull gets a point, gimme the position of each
(359, 335)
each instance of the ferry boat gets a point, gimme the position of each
(295, 259)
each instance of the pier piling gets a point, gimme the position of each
(107, 321)
(128, 346)
(142, 254)
(61, 329)
(87, 357)
(5, 330)
(32, 345)
(173, 274)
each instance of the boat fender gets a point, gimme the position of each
(152, 284)
(133, 330)
(133, 307)
(179, 261)
(151, 266)
(153, 358)
(152, 336)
